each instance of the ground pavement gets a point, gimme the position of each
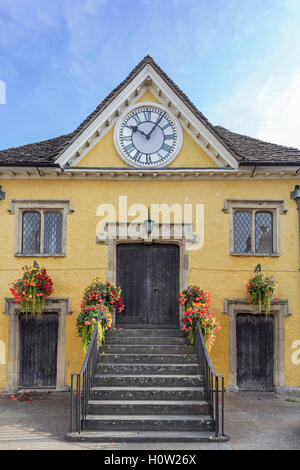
(254, 421)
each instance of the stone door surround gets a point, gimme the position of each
(280, 310)
(177, 233)
(61, 306)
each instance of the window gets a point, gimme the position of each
(253, 232)
(254, 226)
(41, 232)
(40, 227)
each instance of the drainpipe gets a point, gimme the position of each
(295, 195)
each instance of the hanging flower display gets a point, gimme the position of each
(98, 300)
(32, 289)
(261, 290)
(197, 302)
(106, 293)
(207, 321)
(86, 321)
(194, 294)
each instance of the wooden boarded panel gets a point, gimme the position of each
(149, 278)
(38, 351)
(255, 352)
(132, 277)
(164, 286)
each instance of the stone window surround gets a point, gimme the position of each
(178, 234)
(276, 207)
(61, 306)
(18, 206)
(280, 310)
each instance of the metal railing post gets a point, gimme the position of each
(84, 383)
(211, 384)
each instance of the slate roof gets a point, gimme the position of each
(257, 152)
(246, 150)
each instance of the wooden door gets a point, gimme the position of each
(38, 351)
(255, 352)
(149, 278)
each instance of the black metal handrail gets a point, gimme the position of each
(213, 385)
(81, 384)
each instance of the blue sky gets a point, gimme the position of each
(237, 60)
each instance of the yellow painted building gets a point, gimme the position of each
(221, 203)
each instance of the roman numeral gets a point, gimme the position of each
(169, 137)
(166, 147)
(166, 126)
(147, 115)
(129, 148)
(127, 138)
(148, 160)
(137, 156)
(136, 118)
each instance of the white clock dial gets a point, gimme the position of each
(147, 136)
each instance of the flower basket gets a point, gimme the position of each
(196, 302)
(261, 290)
(32, 289)
(194, 294)
(98, 300)
(86, 321)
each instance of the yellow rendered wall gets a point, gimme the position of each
(212, 268)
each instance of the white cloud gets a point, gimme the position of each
(268, 111)
(280, 112)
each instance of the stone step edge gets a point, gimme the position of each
(147, 364)
(146, 436)
(146, 354)
(158, 388)
(164, 417)
(179, 376)
(147, 345)
(148, 402)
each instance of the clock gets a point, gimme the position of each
(148, 136)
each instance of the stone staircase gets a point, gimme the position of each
(147, 388)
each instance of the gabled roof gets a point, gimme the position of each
(246, 150)
(257, 152)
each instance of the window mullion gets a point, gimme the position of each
(253, 241)
(42, 232)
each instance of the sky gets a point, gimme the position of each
(237, 60)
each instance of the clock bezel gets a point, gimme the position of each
(173, 154)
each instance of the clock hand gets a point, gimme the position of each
(135, 128)
(157, 122)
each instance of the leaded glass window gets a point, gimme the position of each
(242, 231)
(31, 232)
(263, 232)
(42, 232)
(253, 231)
(52, 232)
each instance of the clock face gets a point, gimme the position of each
(147, 136)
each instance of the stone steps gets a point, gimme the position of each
(142, 436)
(159, 422)
(148, 369)
(147, 388)
(144, 358)
(148, 348)
(146, 380)
(145, 340)
(151, 407)
(147, 393)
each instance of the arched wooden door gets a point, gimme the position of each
(149, 278)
